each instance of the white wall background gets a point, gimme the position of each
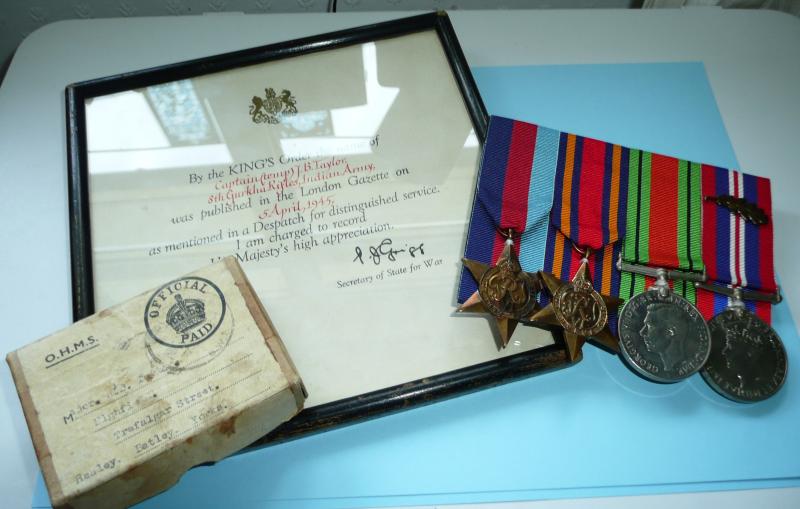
(18, 18)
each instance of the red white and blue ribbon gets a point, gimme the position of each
(736, 252)
(527, 169)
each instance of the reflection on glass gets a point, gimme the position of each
(354, 127)
(351, 210)
(312, 122)
(471, 141)
(180, 112)
(135, 126)
(164, 127)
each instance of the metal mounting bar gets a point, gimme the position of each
(656, 271)
(738, 292)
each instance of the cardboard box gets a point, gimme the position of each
(122, 403)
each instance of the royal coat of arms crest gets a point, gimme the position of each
(272, 107)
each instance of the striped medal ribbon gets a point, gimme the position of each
(515, 191)
(662, 334)
(587, 219)
(665, 223)
(737, 240)
(748, 361)
(512, 202)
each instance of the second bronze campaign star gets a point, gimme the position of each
(580, 310)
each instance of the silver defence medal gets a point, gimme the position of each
(662, 335)
(747, 361)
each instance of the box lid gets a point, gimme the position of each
(122, 403)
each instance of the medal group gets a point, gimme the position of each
(664, 261)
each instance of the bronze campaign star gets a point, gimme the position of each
(505, 291)
(580, 310)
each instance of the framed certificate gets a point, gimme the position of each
(340, 170)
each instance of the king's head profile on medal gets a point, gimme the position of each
(748, 361)
(664, 332)
(663, 336)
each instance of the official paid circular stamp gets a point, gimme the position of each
(184, 312)
(748, 360)
(186, 321)
(663, 337)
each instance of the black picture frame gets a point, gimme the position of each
(348, 410)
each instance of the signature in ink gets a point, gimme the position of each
(386, 250)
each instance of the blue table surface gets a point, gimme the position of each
(594, 429)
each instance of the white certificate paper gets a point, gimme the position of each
(342, 180)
